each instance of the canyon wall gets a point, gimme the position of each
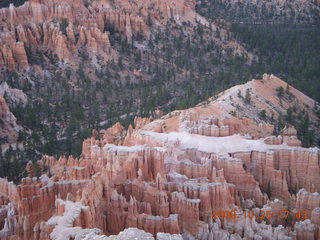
(169, 176)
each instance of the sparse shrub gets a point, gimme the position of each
(244, 165)
(247, 98)
(280, 92)
(262, 114)
(64, 23)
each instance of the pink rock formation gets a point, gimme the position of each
(187, 210)
(289, 131)
(315, 216)
(65, 26)
(9, 128)
(30, 169)
(277, 210)
(307, 201)
(306, 230)
(288, 140)
(34, 201)
(168, 176)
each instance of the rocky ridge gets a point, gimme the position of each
(261, 12)
(9, 127)
(60, 28)
(54, 51)
(168, 175)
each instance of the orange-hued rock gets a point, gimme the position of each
(187, 210)
(3, 105)
(228, 114)
(307, 201)
(315, 216)
(113, 134)
(64, 27)
(9, 190)
(289, 131)
(34, 200)
(168, 175)
(8, 126)
(13, 55)
(288, 140)
(139, 122)
(292, 141)
(305, 230)
(45, 30)
(127, 24)
(245, 228)
(30, 169)
(277, 210)
(300, 165)
(155, 224)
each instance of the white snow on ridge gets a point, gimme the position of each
(136, 148)
(64, 229)
(133, 234)
(219, 145)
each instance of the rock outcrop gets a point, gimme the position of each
(9, 128)
(169, 176)
(64, 27)
(307, 201)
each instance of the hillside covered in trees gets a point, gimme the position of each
(6, 3)
(169, 63)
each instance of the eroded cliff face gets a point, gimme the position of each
(8, 126)
(61, 28)
(275, 11)
(86, 52)
(167, 176)
(238, 111)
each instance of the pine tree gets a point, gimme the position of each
(247, 98)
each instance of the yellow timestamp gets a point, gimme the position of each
(225, 214)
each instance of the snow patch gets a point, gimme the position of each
(219, 145)
(64, 229)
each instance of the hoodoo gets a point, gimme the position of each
(185, 179)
